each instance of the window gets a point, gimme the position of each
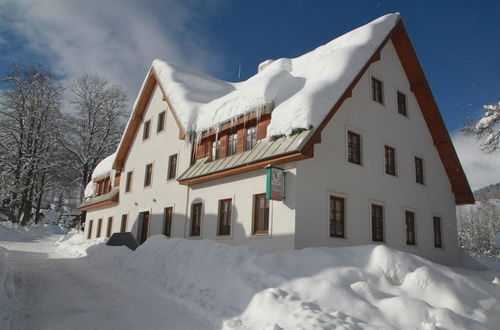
(195, 219)
(250, 137)
(377, 91)
(146, 131)
(390, 160)
(438, 242)
(172, 167)
(109, 228)
(161, 122)
(89, 232)
(410, 227)
(123, 225)
(337, 217)
(148, 175)
(224, 227)
(377, 223)
(216, 149)
(232, 143)
(128, 182)
(402, 104)
(99, 224)
(260, 215)
(167, 220)
(419, 170)
(353, 148)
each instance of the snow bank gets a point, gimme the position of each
(75, 244)
(357, 287)
(104, 167)
(302, 89)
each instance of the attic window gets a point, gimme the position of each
(250, 137)
(147, 129)
(232, 143)
(161, 122)
(402, 104)
(377, 91)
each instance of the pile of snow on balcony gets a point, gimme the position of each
(303, 89)
(363, 287)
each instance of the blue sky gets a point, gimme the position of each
(458, 42)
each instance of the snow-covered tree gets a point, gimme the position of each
(487, 129)
(29, 126)
(94, 130)
(477, 227)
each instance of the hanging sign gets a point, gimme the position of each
(275, 183)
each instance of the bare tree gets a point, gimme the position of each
(29, 127)
(487, 129)
(95, 129)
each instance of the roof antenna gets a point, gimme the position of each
(239, 72)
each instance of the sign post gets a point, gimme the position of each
(275, 183)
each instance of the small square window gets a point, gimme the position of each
(377, 91)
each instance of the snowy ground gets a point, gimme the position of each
(40, 288)
(180, 284)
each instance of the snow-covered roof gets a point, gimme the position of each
(104, 167)
(303, 89)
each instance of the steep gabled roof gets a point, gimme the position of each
(302, 90)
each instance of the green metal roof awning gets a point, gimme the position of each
(263, 149)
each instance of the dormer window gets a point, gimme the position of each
(216, 150)
(250, 137)
(232, 143)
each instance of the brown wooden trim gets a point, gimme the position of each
(245, 168)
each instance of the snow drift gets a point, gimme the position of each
(316, 288)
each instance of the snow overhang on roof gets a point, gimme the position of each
(104, 168)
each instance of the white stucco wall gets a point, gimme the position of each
(329, 172)
(241, 189)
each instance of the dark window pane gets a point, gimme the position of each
(261, 215)
(419, 170)
(377, 223)
(377, 91)
(123, 226)
(147, 127)
(167, 221)
(410, 227)
(172, 167)
(224, 217)
(195, 220)
(437, 232)
(161, 122)
(390, 160)
(337, 216)
(402, 104)
(354, 148)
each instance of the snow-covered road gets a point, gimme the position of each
(50, 291)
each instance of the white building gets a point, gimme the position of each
(354, 125)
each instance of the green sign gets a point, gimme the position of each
(275, 183)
